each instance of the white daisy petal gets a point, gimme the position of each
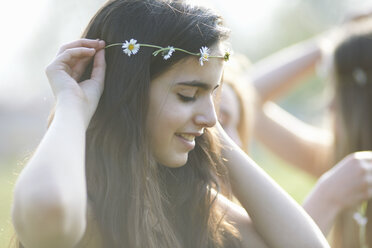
(201, 61)
(124, 47)
(204, 55)
(135, 49)
(170, 52)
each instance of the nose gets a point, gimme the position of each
(206, 115)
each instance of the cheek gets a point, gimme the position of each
(164, 143)
(164, 120)
(174, 111)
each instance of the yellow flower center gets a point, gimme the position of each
(205, 56)
(131, 47)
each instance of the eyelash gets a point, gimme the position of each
(186, 98)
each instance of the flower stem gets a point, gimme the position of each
(115, 44)
(179, 49)
(160, 49)
(362, 228)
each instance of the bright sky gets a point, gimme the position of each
(238, 12)
(20, 22)
(18, 19)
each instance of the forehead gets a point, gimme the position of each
(189, 69)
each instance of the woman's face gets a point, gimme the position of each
(181, 105)
(229, 113)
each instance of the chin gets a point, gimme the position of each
(175, 162)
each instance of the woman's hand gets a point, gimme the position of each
(67, 68)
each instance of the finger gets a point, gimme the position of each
(94, 86)
(64, 60)
(99, 67)
(76, 53)
(81, 43)
(80, 67)
(366, 165)
(366, 189)
(367, 155)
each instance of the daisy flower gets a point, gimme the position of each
(130, 47)
(170, 52)
(360, 219)
(204, 55)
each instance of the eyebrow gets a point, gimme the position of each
(198, 84)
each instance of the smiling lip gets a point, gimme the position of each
(188, 139)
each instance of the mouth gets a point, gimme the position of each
(188, 137)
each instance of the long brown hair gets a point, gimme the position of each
(136, 201)
(352, 79)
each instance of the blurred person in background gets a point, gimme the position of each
(340, 191)
(237, 102)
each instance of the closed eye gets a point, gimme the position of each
(186, 98)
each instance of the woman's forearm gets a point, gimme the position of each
(275, 215)
(322, 211)
(304, 146)
(50, 194)
(277, 73)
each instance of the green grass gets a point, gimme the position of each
(296, 182)
(7, 180)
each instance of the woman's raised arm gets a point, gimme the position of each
(305, 146)
(279, 220)
(50, 194)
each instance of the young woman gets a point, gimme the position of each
(339, 192)
(132, 157)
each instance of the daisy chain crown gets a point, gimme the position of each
(132, 47)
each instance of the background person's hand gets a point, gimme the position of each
(342, 188)
(67, 68)
(350, 181)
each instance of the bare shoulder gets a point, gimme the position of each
(92, 237)
(239, 217)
